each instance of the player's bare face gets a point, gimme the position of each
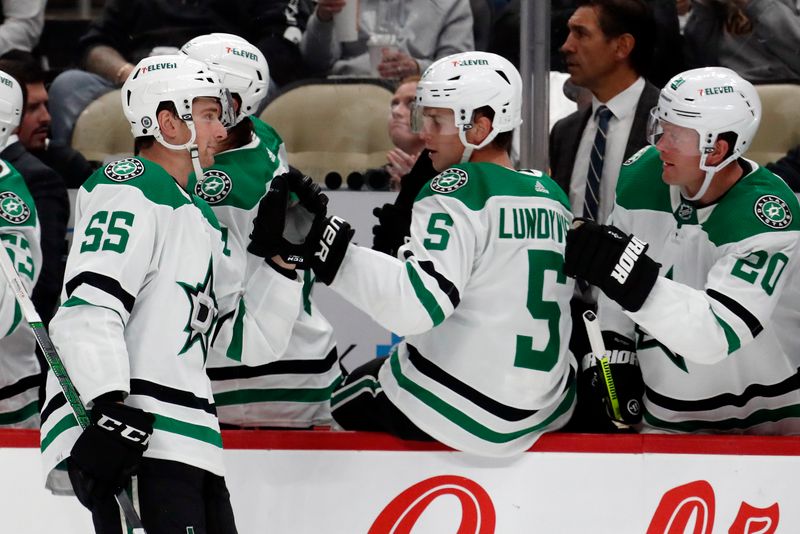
(440, 135)
(679, 150)
(209, 130)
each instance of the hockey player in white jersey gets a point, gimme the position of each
(20, 372)
(295, 391)
(478, 290)
(698, 266)
(146, 284)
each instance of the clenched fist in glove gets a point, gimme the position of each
(279, 227)
(394, 225)
(109, 451)
(626, 379)
(327, 242)
(615, 262)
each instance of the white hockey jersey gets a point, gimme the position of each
(481, 296)
(295, 391)
(20, 372)
(717, 337)
(146, 285)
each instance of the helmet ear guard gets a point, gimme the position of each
(711, 101)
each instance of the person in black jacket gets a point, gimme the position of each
(788, 168)
(45, 184)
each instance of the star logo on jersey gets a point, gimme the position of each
(215, 186)
(13, 208)
(124, 169)
(449, 181)
(773, 211)
(203, 312)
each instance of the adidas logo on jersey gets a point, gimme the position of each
(540, 188)
(628, 259)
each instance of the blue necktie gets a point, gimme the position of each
(591, 198)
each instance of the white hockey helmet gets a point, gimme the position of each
(711, 101)
(10, 106)
(241, 67)
(465, 82)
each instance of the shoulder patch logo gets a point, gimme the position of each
(631, 160)
(773, 211)
(540, 188)
(124, 169)
(449, 181)
(13, 208)
(215, 186)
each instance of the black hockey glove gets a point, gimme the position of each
(308, 192)
(109, 451)
(327, 242)
(267, 238)
(394, 225)
(625, 379)
(616, 263)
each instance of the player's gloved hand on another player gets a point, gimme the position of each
(308, 192)
(394, 225)
(327, 242)
(626, 379)
(606, 257)
(267, 238)
(109, 450)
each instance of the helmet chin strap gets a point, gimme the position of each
(190, 145)
(710, 172)
(469, 148)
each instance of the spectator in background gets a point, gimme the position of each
(609, 46)
(129, 30)
(668, 57)
(45, 184)
(759, 39)
(788, 168)
(425, 31)
(34, 131)
(407, 144)
(22, 23)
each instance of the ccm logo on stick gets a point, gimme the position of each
(628, 259)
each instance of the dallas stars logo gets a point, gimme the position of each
(124, 169)
(773, 211)
(215, 186)
(449, 181)
(13, 208)
(203, 312)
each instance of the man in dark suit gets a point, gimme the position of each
(46, 185)
(608, 49)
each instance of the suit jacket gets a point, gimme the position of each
(52, 206)
(566, 136)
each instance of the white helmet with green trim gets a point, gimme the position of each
(241, 67)
(467, 81)
(10, 106)
(711, 101)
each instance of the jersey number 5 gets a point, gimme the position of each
(114, 229)
(526, 356)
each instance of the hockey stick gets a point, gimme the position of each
(60, 372)
(599, 351)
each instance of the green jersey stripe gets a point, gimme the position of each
(425, 297)
(66, 422)
(17, 416)
(189, 430)
(767, 415)
(466, 422)
(730, 335)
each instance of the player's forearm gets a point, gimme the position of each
(382, 287)
(683, 320)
